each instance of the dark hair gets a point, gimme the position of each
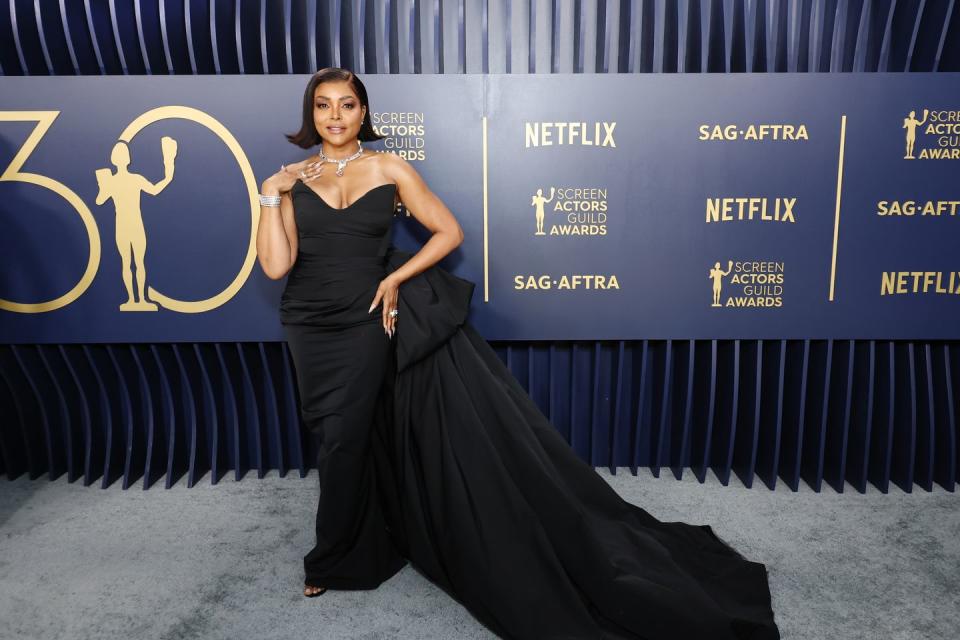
(308, 136)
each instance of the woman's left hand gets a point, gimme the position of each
(387, 292)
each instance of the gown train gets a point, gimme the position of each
(487, 499)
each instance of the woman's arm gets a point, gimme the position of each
(277, 238)
(430, 211)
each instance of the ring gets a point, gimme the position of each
(302, 174)
(393, 313)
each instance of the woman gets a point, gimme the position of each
(431, 451)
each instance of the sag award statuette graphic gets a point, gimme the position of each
(538, 201)
(910, 123)
(124, 188)
(717, 275)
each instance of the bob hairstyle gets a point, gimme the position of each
(308, 136)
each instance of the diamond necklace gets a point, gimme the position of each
(341, 163)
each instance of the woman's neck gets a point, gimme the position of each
(340, 151)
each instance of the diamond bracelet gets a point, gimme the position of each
(269, 201)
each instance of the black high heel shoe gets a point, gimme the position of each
(321, 591)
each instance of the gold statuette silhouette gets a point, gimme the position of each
(124, 188)
(717, 274)
(538, 201)
(910, 123)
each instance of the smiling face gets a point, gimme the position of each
(337, 112)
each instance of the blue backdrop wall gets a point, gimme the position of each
(840, 411)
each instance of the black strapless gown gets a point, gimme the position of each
(432, 452)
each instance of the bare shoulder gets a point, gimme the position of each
(389, 160)
(396, 167)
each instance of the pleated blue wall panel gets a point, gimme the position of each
(821, 412)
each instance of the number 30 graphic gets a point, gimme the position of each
(44, 120)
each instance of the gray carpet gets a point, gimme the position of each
(225, 561)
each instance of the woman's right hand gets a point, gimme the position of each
(283, 180)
